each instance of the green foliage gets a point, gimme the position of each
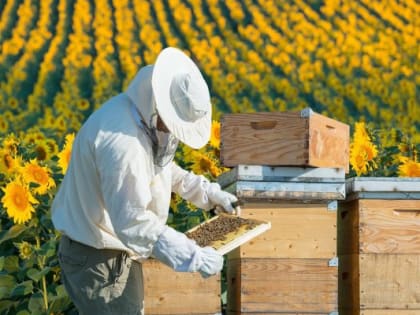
(29, 270)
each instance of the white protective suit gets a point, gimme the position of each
(113, 196)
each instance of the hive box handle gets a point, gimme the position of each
(263, 125)
(413, 212)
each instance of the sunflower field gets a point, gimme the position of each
(355, 61)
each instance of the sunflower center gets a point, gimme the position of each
(19, 202)
(205, 164)
(39, 176)
(41, 154)
(8, 161)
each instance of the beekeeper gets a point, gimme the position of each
(113, 203)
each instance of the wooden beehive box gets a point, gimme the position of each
(379, 246)
(291, 268)
(302, 138)
(167, 292)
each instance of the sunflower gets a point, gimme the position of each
(10, 143)
(82, 104)
(215, 134)
(361, 133)
(53, 147)
(25, 250)
(362, 151)
(18, 201)
(9, 162)
(4, 125)
(362, 157)
(408, 167)
(13, 103)
(33, 136)
(42, 150)
(65, 154)
(175, 201)
(32, 172)
(60, 123)
(203, 163)
(187, 154)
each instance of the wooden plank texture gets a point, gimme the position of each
(389, 312)
(379, 281)
(282, 313)
(265, 313)
(378, 312)
(379, 226)
(348, 227)
(169, 292)
(348, 283)
(283, 139)
(389, 281)
(297, 231)
(328, 142)
(267, 286)
(389, 226)
(264, 139)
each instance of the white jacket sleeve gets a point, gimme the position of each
(193, 187)
(125, 182)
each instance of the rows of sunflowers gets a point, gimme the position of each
(355, 61)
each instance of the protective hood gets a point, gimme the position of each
(141, 94)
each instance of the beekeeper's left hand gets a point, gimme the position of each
(224, 201)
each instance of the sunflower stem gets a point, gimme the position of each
(44, 281)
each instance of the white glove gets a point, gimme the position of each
(211, 261)
(223, 199)
(182, 254)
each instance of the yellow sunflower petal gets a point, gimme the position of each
(18, 201)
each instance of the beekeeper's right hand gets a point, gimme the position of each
(182, 254)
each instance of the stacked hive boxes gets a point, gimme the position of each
(177, 293)
(289, 169)
(292, 268)
(379, 247)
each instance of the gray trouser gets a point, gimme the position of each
(101, 281)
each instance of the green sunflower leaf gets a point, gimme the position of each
(13, 232)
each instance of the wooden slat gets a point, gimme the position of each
(264, 139)
(297, 231)
(379, 281)
(284, 139)
(389, 226)
(379, 226)
(389, 312)
(285, 286)
(348, 227)
(389, 281)
(265, 313)
(282, 313)
(348, 283)
(169, 292)
(329, 142)
(378, 312)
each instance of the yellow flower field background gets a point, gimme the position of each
(355, 61)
